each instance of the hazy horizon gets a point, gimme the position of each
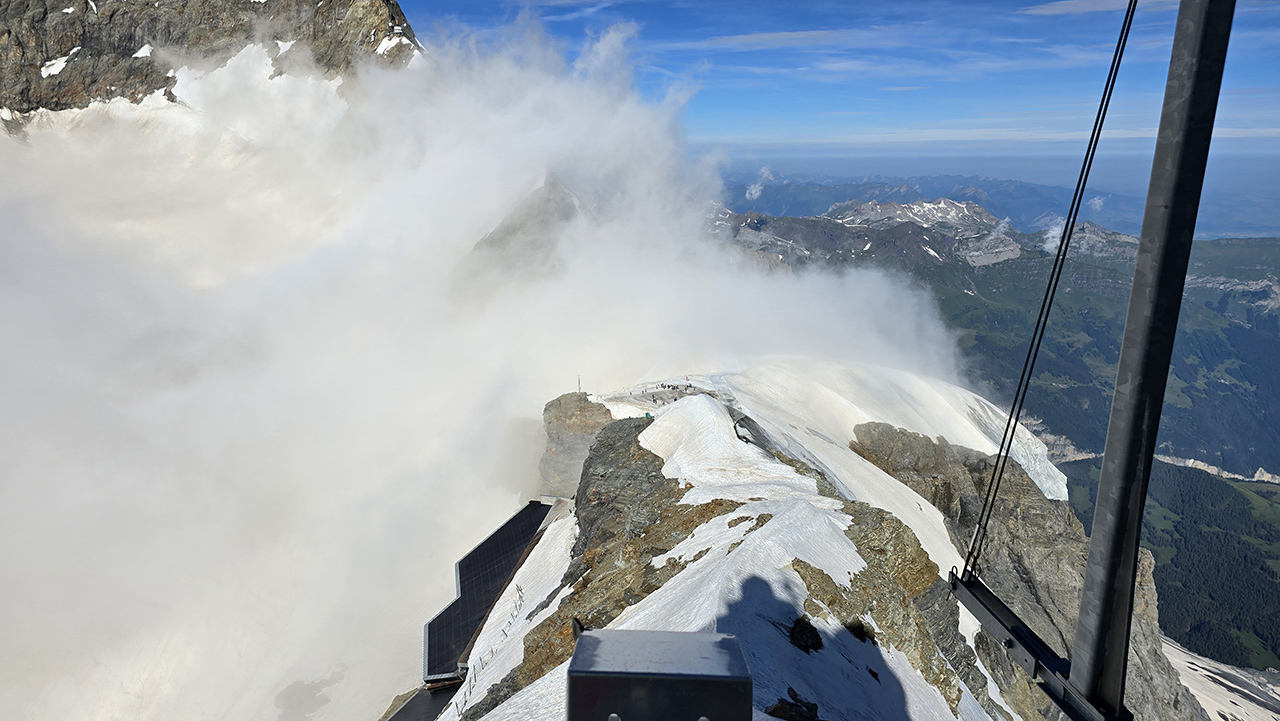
(1238, 190)
(1004, 90)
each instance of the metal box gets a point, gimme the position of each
(658, 676)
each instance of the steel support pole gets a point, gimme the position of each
(1100, 654)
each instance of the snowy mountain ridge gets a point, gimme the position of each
(756, 513)
(961, 218)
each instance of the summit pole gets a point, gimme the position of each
(1099, 656)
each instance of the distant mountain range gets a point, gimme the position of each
(1221, 408)
(1028, 207)
(989, 276)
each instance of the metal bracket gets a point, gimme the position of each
(1028, 650)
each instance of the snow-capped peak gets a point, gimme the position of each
(964, 217)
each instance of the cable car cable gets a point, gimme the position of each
(1046, 304)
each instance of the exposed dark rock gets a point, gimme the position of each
(897, 575)
(572, 422)
(861, 631)
(627, 513)
(804, 636)
(797, 709)
(618, 477)
(961, 219)
(942, 615)
(102, 39)
(1036, 548)
(825, 486)
(1033, 559)
(761, 519)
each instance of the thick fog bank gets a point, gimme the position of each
(247, 423)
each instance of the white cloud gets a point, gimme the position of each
(754, 191)
(884, 36)
(1077, 7)
(246, 428)
(587, 11)
(767, 41)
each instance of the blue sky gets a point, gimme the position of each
(908, 79)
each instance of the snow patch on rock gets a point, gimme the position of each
(741, 574)
(390, 42)
(57, 65)
(1224, 691)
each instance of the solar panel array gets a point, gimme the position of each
(481, 576)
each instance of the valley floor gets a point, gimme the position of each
(1226, 692)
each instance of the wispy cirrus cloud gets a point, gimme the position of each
(931, 65)
(961, 64)
(880, 37)
(587, 11)
(1078, 7)
(765, 41)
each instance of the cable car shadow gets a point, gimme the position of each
(810, 669)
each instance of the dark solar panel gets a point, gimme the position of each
(481, 576)
(425, 706)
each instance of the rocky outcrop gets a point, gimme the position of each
(523, 248)
(627, 512)
(1034, 560)
(989, 249)
(933, 617)
(571, 422)
(61, 54)
(1089, 238)
(888, 590)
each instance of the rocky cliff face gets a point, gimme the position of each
(61, 54)
(628, 511)
(571, 422)
(628, 514)
(1034, 559)
(717, 512)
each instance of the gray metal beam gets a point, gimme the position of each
(1100, 654)
(1026, 649)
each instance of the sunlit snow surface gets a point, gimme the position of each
(1224, 691)
(810, 408)
(390, 42)
(55, 66)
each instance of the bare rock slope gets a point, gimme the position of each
(1034, 559)
(868, 623)
(62, 54)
